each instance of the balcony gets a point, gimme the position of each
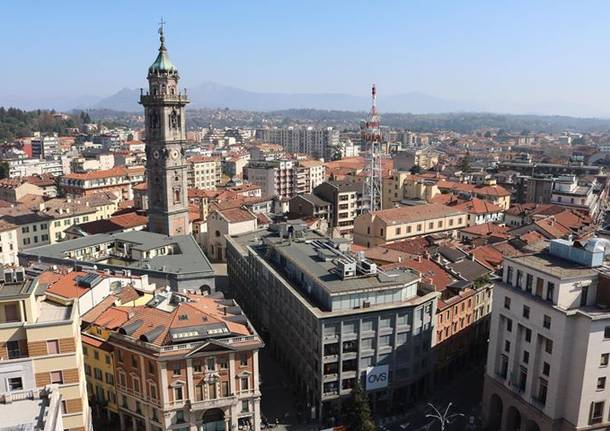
(217, 403)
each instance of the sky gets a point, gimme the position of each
(507, 56)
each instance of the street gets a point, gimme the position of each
(464, 392)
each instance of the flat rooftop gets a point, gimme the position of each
(24, 415)
(553, 265)
(303, 254)
(189, 259)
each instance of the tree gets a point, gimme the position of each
(465, 163)
(358, 412)
(4, 170)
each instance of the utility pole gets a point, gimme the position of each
(443, 418)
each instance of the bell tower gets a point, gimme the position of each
(165, 131)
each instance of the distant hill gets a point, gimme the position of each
(213, 95)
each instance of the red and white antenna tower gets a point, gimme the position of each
(371, 138)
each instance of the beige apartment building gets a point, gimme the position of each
(203, 172)
(8, 243)
(397, 224)
(40, 345)
(403, 186)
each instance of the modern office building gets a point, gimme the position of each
(347, 201)
(311, 141)
(275, 177)
(549, 350)
(343, 320)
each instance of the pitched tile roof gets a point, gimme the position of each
(409, 214)
(485, 229)
(479, 206)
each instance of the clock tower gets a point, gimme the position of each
(165, 131)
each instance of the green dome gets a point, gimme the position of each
(162, 63)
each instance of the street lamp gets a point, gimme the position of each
(443, 418)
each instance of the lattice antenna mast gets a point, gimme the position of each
(371, 137)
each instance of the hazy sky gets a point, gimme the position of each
(518, 56)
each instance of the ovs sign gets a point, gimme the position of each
(377, 377)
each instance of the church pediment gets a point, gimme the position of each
(210, 347)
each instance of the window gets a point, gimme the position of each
(134, 361)
(507, 346)
(107, 358)
(507, 302)
(548, 346)
(528, 335)
(509, 325)
(179, 416)
(244, 383)
(245, 407)
(550, 291)
(97, 374)
(211, 364)
(109, 379)
(225, 389)
(223, 364)
(542, 390)
(136, 385)
(15, 384)
(120, 354)
(178, 393)
(519, 278)
(607, 332)
(529, 278)
(57, 377)
(526, 312)
(546, 322)
(601, 383)
(397, 231)
(503, 371)
(583, 296)
(522, 378)
(52, 347)
(197, 368)
(546, 368)
(603, 361)
(597, 412)
(243, 360)
(212, 391)
(509, 274)
(176, 369)
(526, 357)
(151, 368)
(96, 355)
(87, 369)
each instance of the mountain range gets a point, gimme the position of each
(213, 95)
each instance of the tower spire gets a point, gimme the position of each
(162, 34)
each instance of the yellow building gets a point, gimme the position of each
(40, 345)
(98, 323)
(402, 186)
(397, 224)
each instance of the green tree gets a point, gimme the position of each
(465, 163)
(4, 170)
(358, 412)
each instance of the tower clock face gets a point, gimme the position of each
(174, 154)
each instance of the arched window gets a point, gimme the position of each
(217, 233)
(177, 196)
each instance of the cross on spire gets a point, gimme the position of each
(161, 31)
